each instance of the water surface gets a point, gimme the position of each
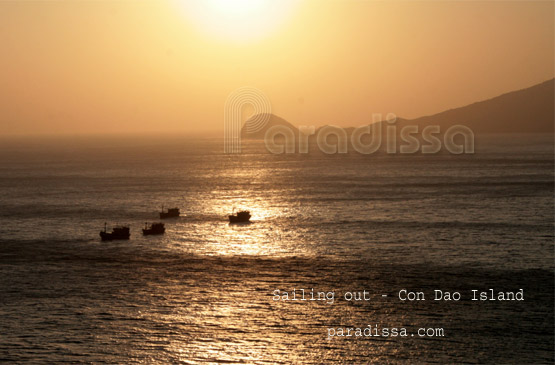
(203, 291)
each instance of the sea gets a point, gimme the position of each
(392, 226)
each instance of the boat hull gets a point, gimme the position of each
(171, 213)
(105, 236)
(166, 215)
(149, 232)
(234, 219)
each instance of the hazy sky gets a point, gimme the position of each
(135, 66)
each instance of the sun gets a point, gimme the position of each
(240, 21)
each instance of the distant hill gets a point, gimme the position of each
(530, 110)
(273, 120)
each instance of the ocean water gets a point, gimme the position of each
(203, 292)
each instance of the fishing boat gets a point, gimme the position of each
(171, 213)
(243, 216)
(155, 228)
(118, 233)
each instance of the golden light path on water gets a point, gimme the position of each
(205, 228)
(242, 309)
(260, 237)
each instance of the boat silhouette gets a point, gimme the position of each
(171, 213)
(155, 228)
(118, 233)
(243, 216)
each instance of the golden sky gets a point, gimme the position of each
(137, 66)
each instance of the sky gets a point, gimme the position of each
(79, 67)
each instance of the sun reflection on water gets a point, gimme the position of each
(205, 228)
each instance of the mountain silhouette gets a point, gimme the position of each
(273, 120)
(529, 110)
